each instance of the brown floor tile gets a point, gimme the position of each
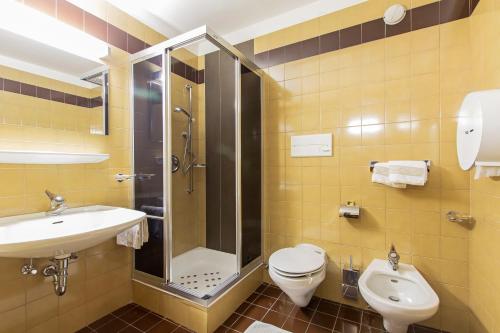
(252, 297)
(283, 306)
(221, 329)
(313, 303)
(317, 329)
(304, 314)
(124, 309)
(101, 321)
(272, 291)
(346, 326)
(164, 326)
(350, 313)
(295, 325)
(255, 312)
(130, 329)
(112, 326)
(327, 307)
(134, 314)
(372, 319)
(242, 324)
(261, 288)
(323, 320)
(230, 321)
(264, 301)
(243, 306)
(85, 330)
(275, 318)
(148, 321)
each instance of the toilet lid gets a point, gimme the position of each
(296, 260)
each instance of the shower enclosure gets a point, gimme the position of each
(196, 104)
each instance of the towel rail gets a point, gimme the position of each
(428, 162)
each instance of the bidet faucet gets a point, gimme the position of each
(393, 257)
(57, 203)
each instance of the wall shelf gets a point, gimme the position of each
(49, 157)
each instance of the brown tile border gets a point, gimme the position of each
(21, 88)
(441, 11)
(67, 12)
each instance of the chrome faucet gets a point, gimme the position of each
(57, 203)
(393, 257)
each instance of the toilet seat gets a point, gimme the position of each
(298, 261)
(298, 271)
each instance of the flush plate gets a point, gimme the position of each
(311, 145)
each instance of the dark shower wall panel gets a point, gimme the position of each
(148, 194)
(220, 152)
(251, 166)
(228, 155)
(212, 139)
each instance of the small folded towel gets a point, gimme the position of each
(381, 175)
(486, 171)
(408, 172)
(135, 236)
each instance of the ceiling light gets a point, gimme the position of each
(33, 24)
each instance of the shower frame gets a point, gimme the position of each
(165, 49)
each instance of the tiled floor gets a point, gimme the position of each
(267, 304)
(270, 305)
(133, 318)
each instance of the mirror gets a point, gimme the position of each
(69, 57)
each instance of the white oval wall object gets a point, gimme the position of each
(478, 128)
(394, 14)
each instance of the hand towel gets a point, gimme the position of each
(408, 172)
(381, 175)
(135, 236)
(486, 171)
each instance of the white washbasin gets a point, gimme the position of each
(76, 229)
(402, 297)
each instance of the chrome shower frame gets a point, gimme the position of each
(165, 48)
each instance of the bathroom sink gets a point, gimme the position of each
(76, 229)
(402, 297)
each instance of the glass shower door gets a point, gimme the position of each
(203, 197)
(149, 162)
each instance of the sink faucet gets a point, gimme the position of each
(57, 203)
(393, 258)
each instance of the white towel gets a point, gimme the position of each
(486, 171)
(408, 172)
(135, 236)
(260, 327)
(381, 175)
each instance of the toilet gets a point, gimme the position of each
(298, 271)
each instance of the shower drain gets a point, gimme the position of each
(200, 280)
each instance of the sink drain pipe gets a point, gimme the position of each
(59, 273)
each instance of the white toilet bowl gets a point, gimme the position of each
(402, 297)
(298, 271)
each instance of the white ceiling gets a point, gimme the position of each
(235, 20)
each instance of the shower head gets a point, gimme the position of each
(179, 109)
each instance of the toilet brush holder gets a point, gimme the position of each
(350, 277)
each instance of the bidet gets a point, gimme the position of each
(402, 296)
